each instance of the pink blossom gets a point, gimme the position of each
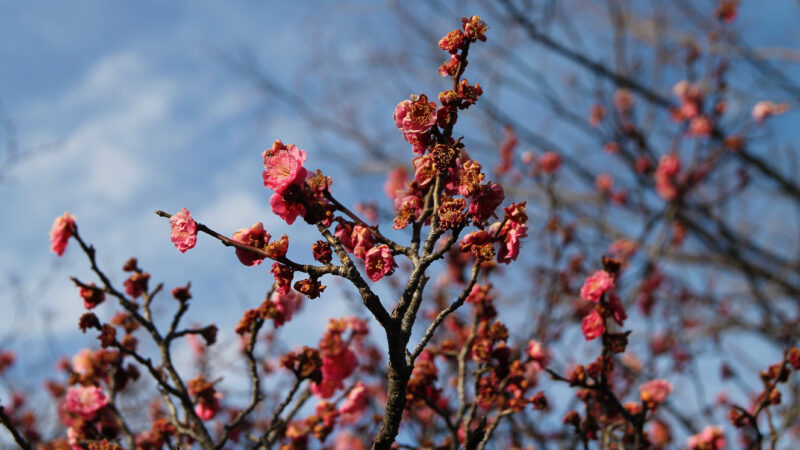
(691, 98)
(283, 166)
(359, 327)
(668, 166)
(283, 278)
(85, 401)
(507, 147)
(287, 211)
(82, 361)
(335, 368)
(255, 236)
(479, 242)
(655, 392)
(344, 232)
(347, 441)
(356, 400)
(184, 230)
(287, 305)
(395, 181)
(415, 118)
(63, 227)
(479, 294)
(764, 109)
(409, 207)
(207, 410)
(362, 239)
(196, 344)
(593, 325)
(449, 67)
(453, 41)
(604, 182)
(711, 438)
(596, 285)
(484, 201)
(665, 176)
(527, 157)
(700, 127)
(477, 237)
(659, 433)
(379, 262)
(424, 170)
(136, 284)
(667, 190)
(509, 251)
(474, 28)
(539, 356)
(72, 438)
(7, 359)
(550, 162)
(91, 295)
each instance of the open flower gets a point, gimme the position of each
(285, 305)
(283, 278)
(550, 162)
(484, 202)
(286, 210)
(596, 285)
(85, 401)
(655, 392)
(283, 166)
(539, 356)
(593, 325)
(362, 240)
(184, 230)
(335, 368)
(711, 438)
(379, 262)
(356, 400)
(479, 243)
(415, 118)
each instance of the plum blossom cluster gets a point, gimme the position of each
(297, 192)
(328, 368)
(599, 289)
(338, 360)
(690, 109)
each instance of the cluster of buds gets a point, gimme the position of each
(137, 283)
